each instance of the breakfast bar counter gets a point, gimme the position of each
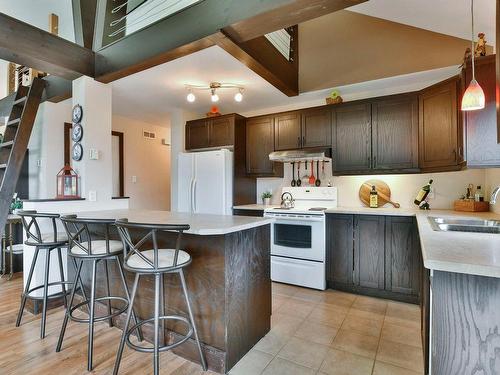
(228, 279)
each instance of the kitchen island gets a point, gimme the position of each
(228, 280)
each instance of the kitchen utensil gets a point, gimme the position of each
(299, 179)
(323, 169)
(312, 179)
(318, 181)
(383, 191)
(293, 174)
(287, 200)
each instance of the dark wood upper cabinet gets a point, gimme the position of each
(210, 132)
(395, 133)
(340, 247)
(498, 70)
(369, 248)
(351, 137)
(439, 128)
(221, 131)
(317, 127)
(197, 134)
(482, 148)
(402, 256)
(287, 131)
(260, 143)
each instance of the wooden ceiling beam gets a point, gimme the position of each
(84, 16)
(27, 45)
(284, 15)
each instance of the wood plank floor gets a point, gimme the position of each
(22, 352)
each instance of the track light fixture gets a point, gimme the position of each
(214, 87)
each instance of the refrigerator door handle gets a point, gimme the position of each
(193, 195)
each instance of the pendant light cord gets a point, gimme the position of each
(472, 39)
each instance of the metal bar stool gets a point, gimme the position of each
(8, 245)
(157, 262)
(84, 246)
(42, 241)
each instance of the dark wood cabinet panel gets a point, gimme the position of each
(351, 137)
(482, 149)
(498, 69)
(395, 133)
(340, 247)
(402, 257)
(221, 131)
(197, 134)
(287, 131)
(369, 247)
(439, 126)
(260, 143)
(244, 212)
(317, 127)
(425, 308)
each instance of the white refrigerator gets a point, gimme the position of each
(205, 182)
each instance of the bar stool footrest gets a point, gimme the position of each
(51, 296)
(99, 318)
(162, 348)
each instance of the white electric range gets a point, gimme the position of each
(298, 237)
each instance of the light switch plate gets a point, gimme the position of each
(432, 193)
(92, 195)
(134, 179)
(93, 154)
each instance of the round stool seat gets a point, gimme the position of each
(165, 259)
(16, 249)
(98, 248)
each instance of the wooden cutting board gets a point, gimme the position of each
(383, 190)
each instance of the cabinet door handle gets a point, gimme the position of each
(374, 162)
(455, 154)
(298, 141)
(303, 141)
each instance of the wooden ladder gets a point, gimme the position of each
(15, 142)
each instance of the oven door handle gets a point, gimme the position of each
(303, 219)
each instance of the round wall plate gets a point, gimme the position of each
(77, 113)
(77, 152)
(77, 133)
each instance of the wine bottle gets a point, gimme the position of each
(373, 197)
(423, 193)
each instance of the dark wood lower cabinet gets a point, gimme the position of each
(243, 212)
(465, 337)
(369, 248)
(374, 255)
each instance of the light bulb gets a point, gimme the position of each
(238, 97)
(214, 97)
(190, 97)
(473, 98)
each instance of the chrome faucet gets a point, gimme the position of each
(494, 195)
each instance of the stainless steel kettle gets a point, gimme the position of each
(287, 200)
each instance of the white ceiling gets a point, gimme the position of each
(150, 95)
(450, 17)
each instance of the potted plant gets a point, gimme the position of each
(266, 198)
(16, 204)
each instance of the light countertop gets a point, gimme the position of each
(201, 224)
(255, 207)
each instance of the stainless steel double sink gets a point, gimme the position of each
(464, 225)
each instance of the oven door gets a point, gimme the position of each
(299, 238)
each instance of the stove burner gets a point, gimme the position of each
(317, 209)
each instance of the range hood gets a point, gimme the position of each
(321, 154)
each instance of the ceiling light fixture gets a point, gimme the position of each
(239, 96)
(214, 87)
(473, 98)
(191, 97)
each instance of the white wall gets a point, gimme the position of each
(46, 148)
(148, 160)
(447, 186)
(36, 13)
(492, 180)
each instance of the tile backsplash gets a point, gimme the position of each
(447, 186)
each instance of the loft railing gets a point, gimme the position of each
(283, 40)
(118, 18)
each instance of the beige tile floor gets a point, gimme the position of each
(335, 333)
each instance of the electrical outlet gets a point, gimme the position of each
(432, 193)
(92, 195)
(39, 163)
(134, 179)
